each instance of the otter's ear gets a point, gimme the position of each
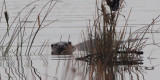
(69, 43)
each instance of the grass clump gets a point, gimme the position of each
(111, 53)
(109, 45)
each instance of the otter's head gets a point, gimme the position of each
(61, 48)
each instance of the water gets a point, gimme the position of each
(72, 17)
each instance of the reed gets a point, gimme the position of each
(19, 29)
(104, 42)
(110, 52)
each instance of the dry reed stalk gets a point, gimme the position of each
(20, 30)
(103, 44)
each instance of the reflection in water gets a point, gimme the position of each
(25, 68)
(100, 71)
(149, 68)
(64, 67)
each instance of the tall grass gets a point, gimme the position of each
(111, 52)
(104, 42)
(19, 28)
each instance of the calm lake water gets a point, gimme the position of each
(72, 18)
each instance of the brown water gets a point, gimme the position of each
(72, 17)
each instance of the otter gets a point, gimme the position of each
(66, 48)
(62, 48)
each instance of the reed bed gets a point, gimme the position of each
(111, 53)
(19, 29)
(104, 42)
(18, 40)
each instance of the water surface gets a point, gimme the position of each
(72, 18)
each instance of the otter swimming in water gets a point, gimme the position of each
(66, 48)
(62, 48)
